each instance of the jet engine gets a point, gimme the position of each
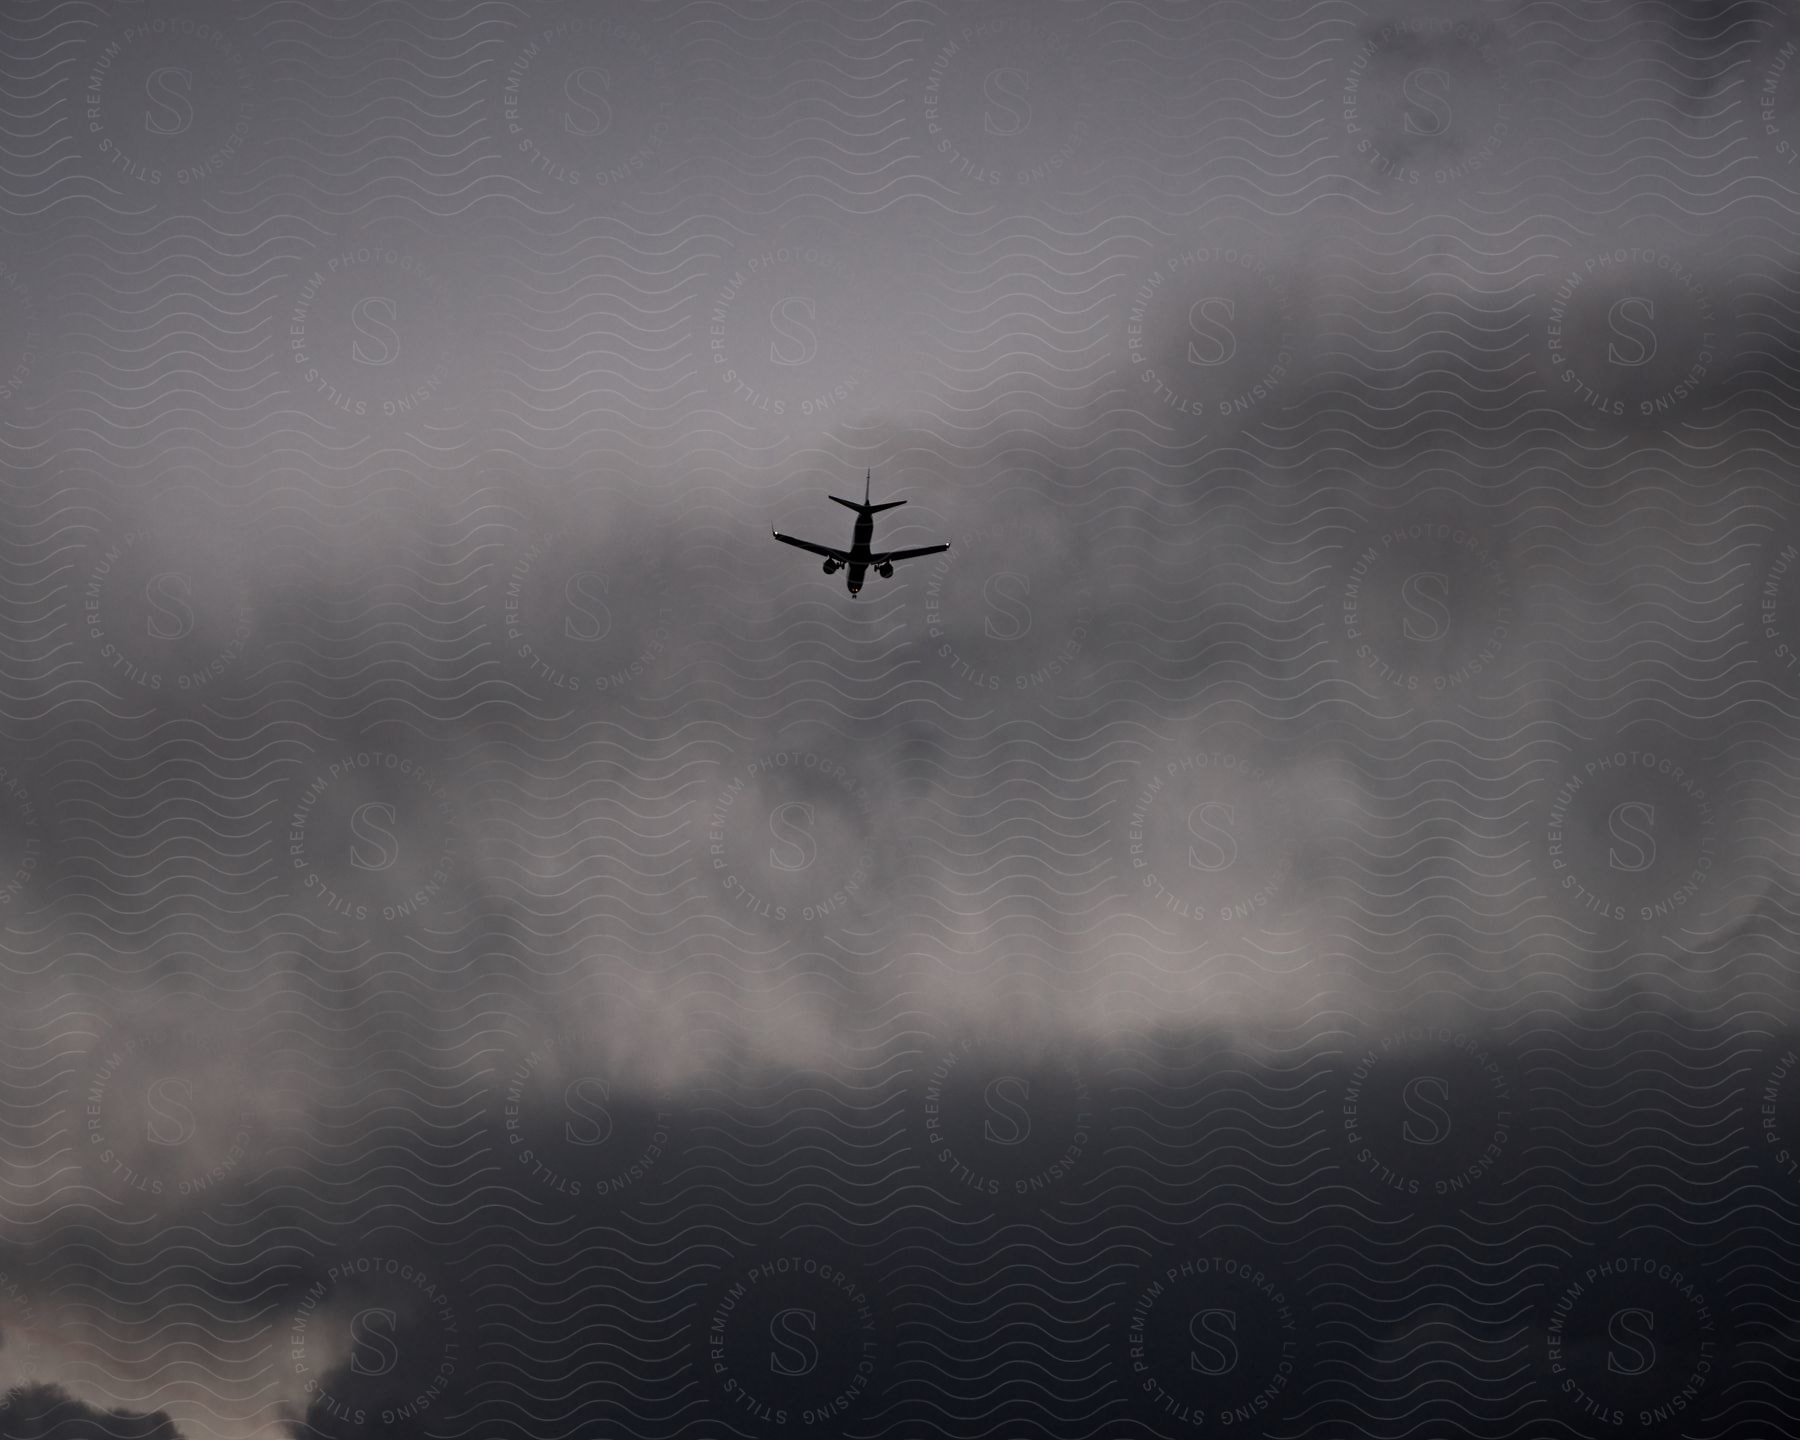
(830, 567)
(886, 572)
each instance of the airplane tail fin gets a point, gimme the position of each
(863, 507)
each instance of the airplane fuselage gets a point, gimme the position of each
(859, 553)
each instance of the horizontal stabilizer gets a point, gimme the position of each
(863, 507)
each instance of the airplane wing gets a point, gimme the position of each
(893, 555)
(840, 556)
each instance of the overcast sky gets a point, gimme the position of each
(1288, 924)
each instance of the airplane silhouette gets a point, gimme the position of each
(858, 559)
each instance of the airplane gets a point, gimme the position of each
(859, 558)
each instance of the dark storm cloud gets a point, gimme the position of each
(1441, 1134)
(43, 1412)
